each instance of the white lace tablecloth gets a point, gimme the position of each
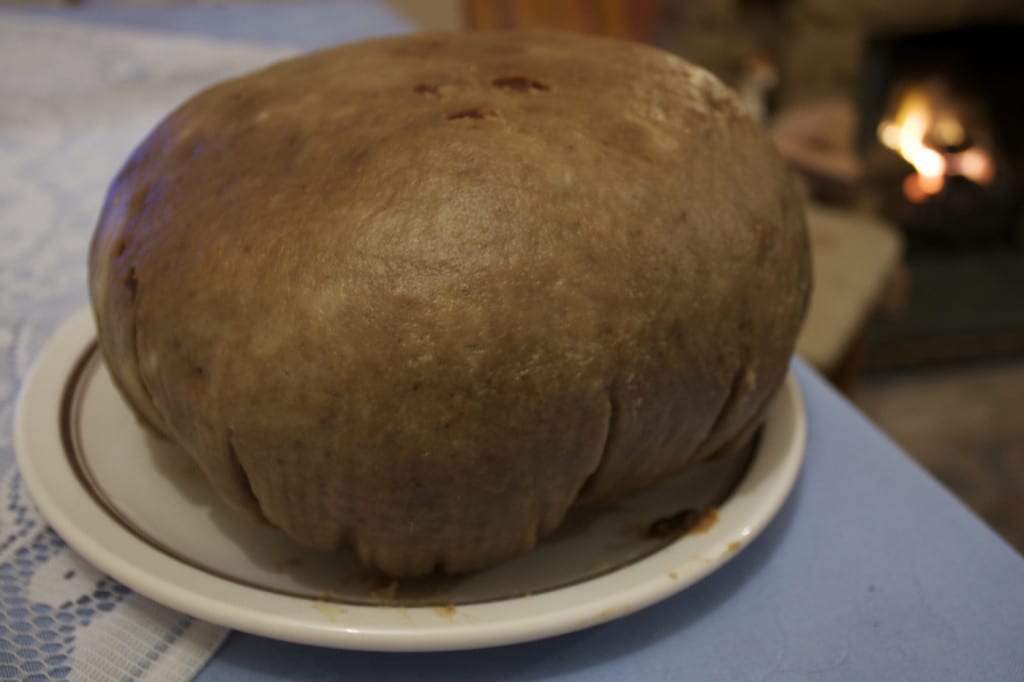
(74, 101)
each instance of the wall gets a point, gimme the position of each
(816, 45)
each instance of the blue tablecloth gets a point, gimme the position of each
(872, 571)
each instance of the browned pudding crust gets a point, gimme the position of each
(419, 295)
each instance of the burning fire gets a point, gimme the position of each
(922, 131)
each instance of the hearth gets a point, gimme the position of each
(940, 131)
(907, 113)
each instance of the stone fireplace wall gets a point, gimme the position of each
(816, 45)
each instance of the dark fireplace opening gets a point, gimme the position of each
(941, 132)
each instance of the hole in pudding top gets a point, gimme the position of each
(478, 113)
(520, 83)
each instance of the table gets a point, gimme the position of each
(871, 570)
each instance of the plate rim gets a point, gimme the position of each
(90, 529)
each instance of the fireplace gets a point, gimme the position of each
(942, 143)
(907, 112)
(940, 131)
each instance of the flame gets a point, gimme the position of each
(919, 119)
(975, 164)
(948, 131)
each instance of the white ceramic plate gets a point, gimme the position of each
(138, 509)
